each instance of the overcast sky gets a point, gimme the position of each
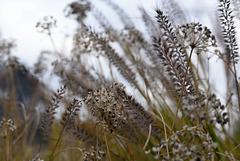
(19, 17)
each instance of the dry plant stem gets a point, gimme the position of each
(124, 150)
(180, 98)
(237, 86)
(148, 138)
(228, 66)
(126, 141)
(132, 126)
(114, 137)
(75, 148)
(6, 148)
(24, 130)
(105, 137)
(230, 152)
(51, 39)
(55, 147)
(234, 73)
(165, 131)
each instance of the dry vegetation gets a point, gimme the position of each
(125, 95)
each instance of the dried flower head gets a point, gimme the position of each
(7, 127)
(195, 36)
(103, 105)
(94, 154)
(6, 46)
(192, 142)
(219, 114)
(78, 9)
(46, 24)
(205, 108)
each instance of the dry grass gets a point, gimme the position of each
(163, 109)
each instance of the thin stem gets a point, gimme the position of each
(237, 86)
(105, 137)
(148, 138)
(76, 148)
(55, 147)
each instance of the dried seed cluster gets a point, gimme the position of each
(205, 108)
(46, 24)
(196, 36)
(7, 127)
(93, 155)
(103, 105)
(192, 143)
(220, 115)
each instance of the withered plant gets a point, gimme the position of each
(128, 94)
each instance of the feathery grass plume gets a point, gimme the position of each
(119, 112)
(174, 11)
(135, 112)
(121, 13)
(111, 54)
(68, 117)
(83, 134)
(133, 42)
(68, 122)
(230, 40)
(228, 31)
(173, 57)
(155, 63)
(150, 25)
(76, 77)
(50, 111)
(103, 21)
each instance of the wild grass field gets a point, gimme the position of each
(126, 94)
